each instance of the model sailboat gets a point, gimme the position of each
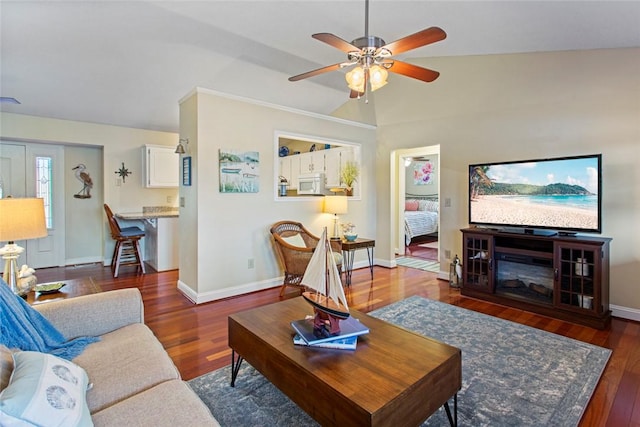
(326, 294)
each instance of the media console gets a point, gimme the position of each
(566, 277)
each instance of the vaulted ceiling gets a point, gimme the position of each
(128, 63)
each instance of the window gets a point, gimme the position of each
(44, 184)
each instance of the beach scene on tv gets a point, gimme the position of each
(559, 194)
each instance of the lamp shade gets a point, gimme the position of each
(335, 204)
(22, 219)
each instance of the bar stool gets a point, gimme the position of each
(127, 249)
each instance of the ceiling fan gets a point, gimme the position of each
(372, 58)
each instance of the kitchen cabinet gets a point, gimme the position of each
(334, 160)
(161, 166)
(312, 162)
(161, 243)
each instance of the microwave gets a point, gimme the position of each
(313, 184)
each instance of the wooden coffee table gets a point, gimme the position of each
(394, 377)
(72, 288)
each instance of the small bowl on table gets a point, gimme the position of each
(350, 237)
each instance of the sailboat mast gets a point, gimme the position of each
(326, 268)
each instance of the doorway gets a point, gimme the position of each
(416, 202)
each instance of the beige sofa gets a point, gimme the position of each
(134, 381)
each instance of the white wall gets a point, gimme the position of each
(525, 106)
(223, 231)
(105, 148)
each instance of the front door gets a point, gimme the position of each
(36, 170)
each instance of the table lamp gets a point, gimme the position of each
(335, 205)
(20, 219)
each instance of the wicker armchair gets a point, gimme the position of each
(294, 245)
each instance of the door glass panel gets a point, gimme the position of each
(44, 186)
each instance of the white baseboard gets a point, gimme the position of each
(625, 312)
(80, 261)
(199, 298)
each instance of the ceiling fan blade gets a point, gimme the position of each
(421, 38)
(355, 94)
(413, 71)
(315, 72)
(336, 42)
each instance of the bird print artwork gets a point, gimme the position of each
(87, 184)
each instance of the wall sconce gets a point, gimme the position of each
(180, 149)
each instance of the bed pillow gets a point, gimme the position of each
(429, 205)
(45, 390)
(411, 205)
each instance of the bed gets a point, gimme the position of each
(420, 216)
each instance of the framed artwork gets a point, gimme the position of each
(423, 173)
(186, 171)
(239, 171)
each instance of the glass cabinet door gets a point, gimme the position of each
(477, 262)
(577, 267)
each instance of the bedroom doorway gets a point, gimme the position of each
(417, 207)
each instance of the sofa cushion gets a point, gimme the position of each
(45, 390)
(169, 404)
(6, 366)
(124, 362)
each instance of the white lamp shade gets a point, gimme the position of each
(22, 219)
(335, 204)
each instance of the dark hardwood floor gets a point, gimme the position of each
(195, 336)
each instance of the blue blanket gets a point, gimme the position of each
(24, 328)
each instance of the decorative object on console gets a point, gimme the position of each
(335, 205)
(87, 183)
(20, 219)
(123, 173)
(455, 272)
(349, 232)
(348, 175)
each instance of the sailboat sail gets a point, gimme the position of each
(322, 275)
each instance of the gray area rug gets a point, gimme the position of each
(512, 375)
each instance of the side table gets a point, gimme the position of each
(348, 253)
(72, 288)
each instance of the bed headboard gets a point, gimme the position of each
(421, 202)
(421, 196)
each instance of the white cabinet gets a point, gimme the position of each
(312, 162)
(161, 165)
(161, 243)
(335, 159)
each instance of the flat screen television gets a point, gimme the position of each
(543, 196)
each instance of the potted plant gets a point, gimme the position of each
(349, 175)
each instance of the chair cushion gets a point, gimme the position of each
(132, 352)
(131, 232)
(295, 240)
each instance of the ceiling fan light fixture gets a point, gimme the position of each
(355, 79)
(377, 77)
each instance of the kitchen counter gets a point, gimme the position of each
(161, 235)
(150, 212)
